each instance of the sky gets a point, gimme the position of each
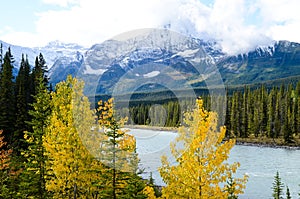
(237, 25)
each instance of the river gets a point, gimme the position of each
(259, 163)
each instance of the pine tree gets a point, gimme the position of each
(151, 183)
(7, 98)
(39, 71)
(263, 118)
(22, 103)
(287, 129)
(288, 194)
(277, 187)
(200, 154)
(244, 129)
(118, 153)
(233, 115)
(33, 177)
(271, 114)
(277, 122)
(231, 188)
(1, 54)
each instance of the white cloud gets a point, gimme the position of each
(281, 19)
(62, 3)
(92, 21)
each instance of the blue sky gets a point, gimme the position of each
(238, 25)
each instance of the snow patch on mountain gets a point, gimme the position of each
(186, 53)
(90, 71)
(51, 52)
(152, 74)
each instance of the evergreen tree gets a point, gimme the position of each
(233, 115)
(151, 183)
(263, 120)
(118, 153)
(288, 194)
(1, 54)
(271, 114)
(22, 103)
(277, 122)
(245, 109)
(231, 188)
(39, 71)
(7, 98)
(33, 177)
(287, 129)
(277, 187)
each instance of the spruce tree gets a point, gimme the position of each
(22, 103)
(39, 71)
(287, 130)
(7, 97)
(118, 153)
(288, 194)
(34, 175)
(271, 104)
(277, 187)
(245, 108)
(231, 188)
(1, 54)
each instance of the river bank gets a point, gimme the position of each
(251, 141)
(153, 128)
(268, 142)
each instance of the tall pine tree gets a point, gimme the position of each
(22, 103)
(277, 187)
(33, 177)
(7, 97)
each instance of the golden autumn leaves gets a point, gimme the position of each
(201, 170)
(83, 156)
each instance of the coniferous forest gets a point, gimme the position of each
(53, 145)
(250, 112)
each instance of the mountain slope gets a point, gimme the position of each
(278, 61)
(151, 61)
(55, 53)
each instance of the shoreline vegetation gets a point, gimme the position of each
(250, 141)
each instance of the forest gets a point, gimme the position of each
(53, 145)
(272, 113)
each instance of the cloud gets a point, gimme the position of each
(238, 25)
(62, 3)
(281, 19)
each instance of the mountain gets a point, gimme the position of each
(147, 63)
(161, 60)
(55, 53)
(280, 60)
(151, 60)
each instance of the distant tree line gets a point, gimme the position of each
(272, 112)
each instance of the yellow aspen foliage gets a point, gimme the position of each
(149, 192)
(201, 170)
(70, 166)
